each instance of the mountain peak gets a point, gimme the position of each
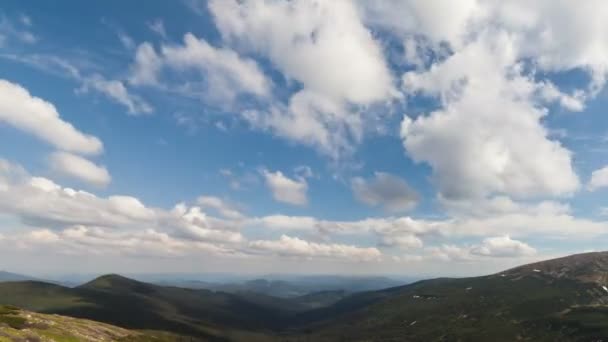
(116, 282)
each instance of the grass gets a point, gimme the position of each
(15, 322)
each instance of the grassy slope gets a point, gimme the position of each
(136, 305)
(520, 304)
(558, 300)
(19, 325)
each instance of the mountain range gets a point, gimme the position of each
(563, 299)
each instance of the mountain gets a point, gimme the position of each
(563, 299)
(557, 300)
(132, 304)
(285, 286)
(8, 276)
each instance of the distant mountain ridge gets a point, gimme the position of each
(564, 299)
(294, 286)
(9, 276)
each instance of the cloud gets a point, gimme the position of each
(492, 247)
(146, 67)
(158, 26)
(285, 222)
(224, 75)
(80, 168)
(285, 189)
(224, 209)
(487, 137)
(385, 190)
(502, 246)
(36, 116)
(490, 68)
(116, 91)
(295, 247)
(40, 202)
(10, 30)
(599, 179)
(321, 45)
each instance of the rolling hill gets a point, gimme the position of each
(564, 299)
(557, 300)
(136, 305)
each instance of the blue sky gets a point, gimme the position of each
(341, 137)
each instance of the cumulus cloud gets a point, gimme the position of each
(492, 247)
(76, 222)
(224, 209)
(285, 189)
(146, 66)
(599, 179)
(322, 45)
(80, 168)
(502, 246)
(285, 222)
(386, 190)
(224, 74)
(488, 137)
(38, 201)
(295, 247)
(489, 67)
(36, 116)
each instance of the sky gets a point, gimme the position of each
(396, 137)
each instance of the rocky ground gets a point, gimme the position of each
(17, 325)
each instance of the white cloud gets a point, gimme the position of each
(489, 64)
(226, 73)
(386, 190)
(295, 247)
(492, 247)
(224, 209)
(502, 246)
(40, 202)
(116, 91)
(223, 74)
(285, 189)
(80, 168)
(36, 116)
(285, 222)
(322, 45)
(488, 137)
(599, 179)
(146, 67)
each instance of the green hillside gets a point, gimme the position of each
(557, 300)
(20, 325)
(136, 305)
